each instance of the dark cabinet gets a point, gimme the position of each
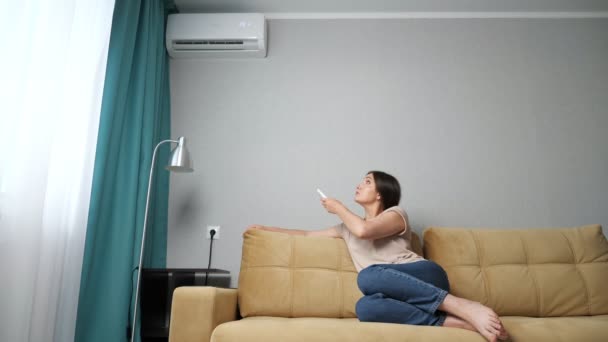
(157, 293)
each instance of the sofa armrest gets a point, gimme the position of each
(197, 310)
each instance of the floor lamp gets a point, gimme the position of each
(179, 162)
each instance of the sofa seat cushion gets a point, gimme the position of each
(522, 329)
(307, 329)
(576, 328)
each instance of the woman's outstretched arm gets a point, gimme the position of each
(383, 225)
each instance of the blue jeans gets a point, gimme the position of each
(403, 293)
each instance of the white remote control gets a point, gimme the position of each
(321, 193)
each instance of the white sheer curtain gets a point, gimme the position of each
(53, 60)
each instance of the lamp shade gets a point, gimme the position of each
(180, 158)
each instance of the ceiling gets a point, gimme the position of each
(296, 8)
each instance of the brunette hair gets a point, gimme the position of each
(388, 187)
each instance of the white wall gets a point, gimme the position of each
(485, 122)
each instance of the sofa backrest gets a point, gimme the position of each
(295, 276)
(525, 272)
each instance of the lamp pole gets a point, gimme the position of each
(180, 162)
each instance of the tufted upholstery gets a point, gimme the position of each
(298, 289)
(295, 276)
(526, 272)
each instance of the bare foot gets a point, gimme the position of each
(484, 319)
(455, 322)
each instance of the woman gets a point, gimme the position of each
(399, 286)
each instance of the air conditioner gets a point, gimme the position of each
(217, 35)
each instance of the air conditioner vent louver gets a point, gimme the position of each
(209, 42)
(214, 44)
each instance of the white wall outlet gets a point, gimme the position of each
(217, 232)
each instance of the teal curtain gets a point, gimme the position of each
(135, 116)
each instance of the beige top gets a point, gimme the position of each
(395, 249)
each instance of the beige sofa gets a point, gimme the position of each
(546, 284)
